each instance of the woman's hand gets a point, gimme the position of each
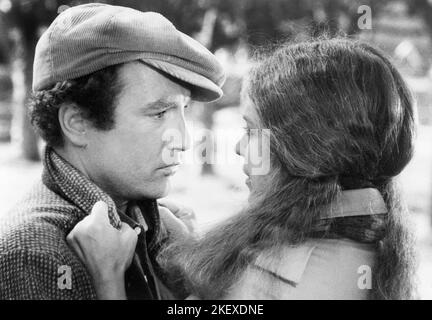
(179, 220)
(105, 251)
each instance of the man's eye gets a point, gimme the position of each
(160, 114)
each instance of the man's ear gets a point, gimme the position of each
(73, 124)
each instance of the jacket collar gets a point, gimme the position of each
(358, 202)
(62, 178)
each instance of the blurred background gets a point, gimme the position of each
(230, 29)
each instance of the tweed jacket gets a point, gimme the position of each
(35, 260)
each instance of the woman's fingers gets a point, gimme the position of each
(168, 216)
(128, 233)
(137, 212)
(138, 231)
(105, 250)
(178, 210)
(99, 212)
(173, 224)
(185, 214)
(170, 205)
(73, 242)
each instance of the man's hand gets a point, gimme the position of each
(105, 251)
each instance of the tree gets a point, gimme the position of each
(6, 85)
(423, 8)
(216, 23)
(260, 22)
(29, 18)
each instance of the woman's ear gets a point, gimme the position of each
(73, 124)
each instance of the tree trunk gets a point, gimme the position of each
(29, 137)
(205, 37)
(6, 89)
(6, 86)
(424, 8)
(207, 118)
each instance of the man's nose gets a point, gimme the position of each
(184, 143)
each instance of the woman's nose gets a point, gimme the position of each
(239, 148)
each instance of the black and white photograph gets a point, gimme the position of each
(215, 150)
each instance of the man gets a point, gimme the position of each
(109, 82)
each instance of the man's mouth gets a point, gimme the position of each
(170, 169)
(174, 164)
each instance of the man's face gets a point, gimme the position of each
(127, 161)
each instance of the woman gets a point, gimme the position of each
(326, 221)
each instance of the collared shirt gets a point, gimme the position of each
(318, 268)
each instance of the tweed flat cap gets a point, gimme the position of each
(90, 37)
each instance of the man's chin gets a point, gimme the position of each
(166, 190)
(160, 191)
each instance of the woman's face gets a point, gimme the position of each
(254, 147)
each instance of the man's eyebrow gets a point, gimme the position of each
(160, 104)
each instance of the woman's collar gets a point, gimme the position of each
(356, 202)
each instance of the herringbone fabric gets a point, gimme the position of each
(32, 235)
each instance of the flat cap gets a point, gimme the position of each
(90, 37)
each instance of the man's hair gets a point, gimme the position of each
(94, 94)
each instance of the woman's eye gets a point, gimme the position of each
(247, 131)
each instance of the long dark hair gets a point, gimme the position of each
(341, 117)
